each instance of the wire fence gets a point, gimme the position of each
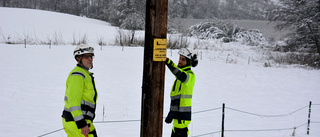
(202, 111)
(216, 132)
(251, 130)
(266, 116)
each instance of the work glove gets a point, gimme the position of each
(169, 118)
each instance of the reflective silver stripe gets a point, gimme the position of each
(180, 109)
(174, 108)
(78, 74)
(72, 108)
(176, 71)
(180, 96)
(175, 97)
(187, 79)
(88, 113)
(68, 110)
(75, 108)
(186, 96)
(185, 109)
(83, 102)
(78, 118)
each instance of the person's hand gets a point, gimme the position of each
(85, 130)
(168, 120)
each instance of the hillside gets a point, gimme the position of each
(37, 26)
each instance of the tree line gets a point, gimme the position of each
(116, 11)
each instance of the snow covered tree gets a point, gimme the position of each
(177, 9)
(302, 17)
(117, 14)
(231, 9)
(203, 9)
(133, 21)
(99, 10)
(120, 10)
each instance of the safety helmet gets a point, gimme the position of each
(190, 56)
(185, 52)
(83, 49)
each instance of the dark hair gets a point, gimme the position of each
(188, 62)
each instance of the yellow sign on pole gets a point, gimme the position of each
(159, 49)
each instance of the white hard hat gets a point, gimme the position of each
(83, 49)
(190, 55)
(186, 52)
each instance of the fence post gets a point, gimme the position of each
(308, 128)
(103, 113)
(222, 127)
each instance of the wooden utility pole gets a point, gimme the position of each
(154, 68)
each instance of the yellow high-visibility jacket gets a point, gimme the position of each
(181, 92)
(80, 97)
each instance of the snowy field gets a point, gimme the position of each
(260, 101)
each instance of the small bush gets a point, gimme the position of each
(291, 58)
(127, 38)
(251, 37)
(177, 42)
(82, 40)
(228, 32)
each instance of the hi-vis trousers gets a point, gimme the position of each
(180, 128)
(72, 130)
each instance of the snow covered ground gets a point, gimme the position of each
(260, 101)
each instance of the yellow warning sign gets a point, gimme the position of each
(159, 49)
